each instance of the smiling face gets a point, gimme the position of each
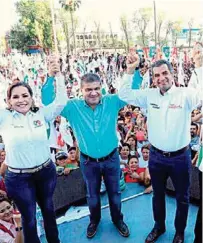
(20, 100)
(91, 93)
(6, 211)
(61, 162)
(163, 78)
(133, 164)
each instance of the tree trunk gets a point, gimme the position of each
(127, 41)
(112, 37)
(67, 37)
(143, 38)
(73, 31)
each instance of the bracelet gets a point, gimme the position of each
(19, 228)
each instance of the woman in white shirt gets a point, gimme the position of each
(31, 175)
(10, 223)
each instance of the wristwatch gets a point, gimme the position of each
(19, 228)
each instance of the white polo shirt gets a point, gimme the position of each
(168, 115)
(6, 237)
(25, 136)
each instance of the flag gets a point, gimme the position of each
(152, 51)
(146, 51)
(137, 80)
(166, 51)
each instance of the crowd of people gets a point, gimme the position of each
(100, 113)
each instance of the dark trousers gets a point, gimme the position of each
(26, 190)
(198, 225)
(92, 172)
(178, 168)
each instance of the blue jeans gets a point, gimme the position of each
(178, 168)
(26, 190)
(92, 172)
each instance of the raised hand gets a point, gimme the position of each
(54, 66)
(198, 55)
(132, 61)
(17, 218)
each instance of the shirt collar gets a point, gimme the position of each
(15, 113)
(100, 102)
(170, 91)
(6, 224)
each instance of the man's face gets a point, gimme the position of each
(72, 155)
(68, 90)
(193, 131)
(163, 78)
(91, 93)
(145, 154)
(62, 162)
(2, 156)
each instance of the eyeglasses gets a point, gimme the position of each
(6, 209)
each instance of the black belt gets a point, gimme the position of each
(171, 154)
(99, 159)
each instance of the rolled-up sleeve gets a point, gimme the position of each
(54, 109)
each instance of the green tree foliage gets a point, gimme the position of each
(141, 20)
(34, 26)
(71, 6)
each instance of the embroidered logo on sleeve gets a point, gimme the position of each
(37, 123)
(173, 106)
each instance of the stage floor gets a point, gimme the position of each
(137, 214)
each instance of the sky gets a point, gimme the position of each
(106, 11)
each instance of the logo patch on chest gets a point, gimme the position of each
(174, 106)
(37, 123)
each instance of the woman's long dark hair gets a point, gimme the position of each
(21, 84)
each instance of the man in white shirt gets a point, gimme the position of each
(169, 115)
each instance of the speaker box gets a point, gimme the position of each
(194, 186)
(69, 189)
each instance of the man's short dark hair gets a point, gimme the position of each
(146, 146)
(128, 113)
(195, 124)
(90, 78)
(160, 63)
(124, 145)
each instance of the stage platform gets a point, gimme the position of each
(137, 214)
